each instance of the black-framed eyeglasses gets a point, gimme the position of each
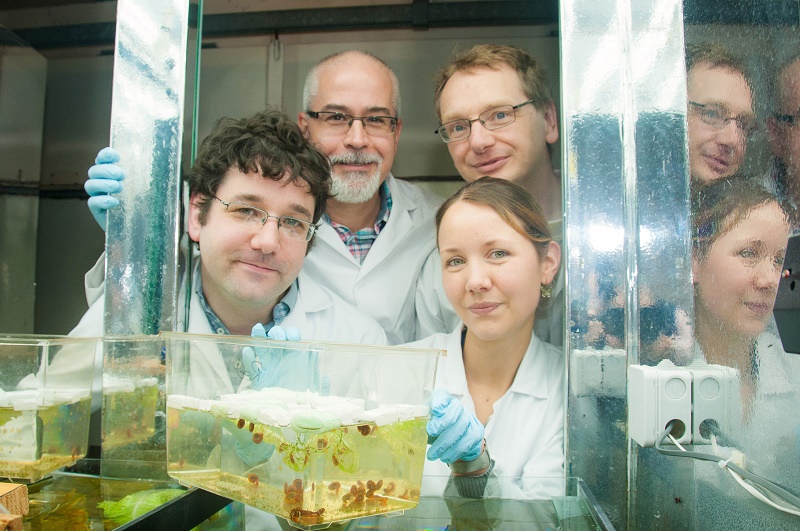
(340, 122)
(789, 119)
(255, 218)
(491, 119)
(718, 117)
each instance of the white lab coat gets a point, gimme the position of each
(435, 314)
(383, 286)
(319, 314)
(525, 434)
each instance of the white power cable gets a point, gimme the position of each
(676, 443)
(740, 474)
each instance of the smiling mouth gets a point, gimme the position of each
(759, 308)
(258, 267)
(717, 164)
(490, 164)
(352, 165)
(483, 308)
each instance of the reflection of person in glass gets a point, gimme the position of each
(720, 112)
(783, 128)
(662, 328)
(498, 262)
(739, 236)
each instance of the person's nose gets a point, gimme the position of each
(356, 137)
(766, 276)
(478, 278)
(480, 138)
(732, 136)
(267, 238)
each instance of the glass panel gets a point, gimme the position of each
(743, 88)
(627, 197)
(146, 129)
(143, 233)
(594, 241)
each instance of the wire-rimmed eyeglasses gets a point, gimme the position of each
(340, 122)
(718, 117)
(491, 119)
(255, 218)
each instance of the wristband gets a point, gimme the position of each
(468, 467)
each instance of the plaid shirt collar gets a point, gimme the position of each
(279, 313)
(360, 242)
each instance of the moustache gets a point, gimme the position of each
(356, 157)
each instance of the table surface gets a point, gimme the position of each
(70, 501)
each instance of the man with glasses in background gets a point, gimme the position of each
(498, 118)
(783, 129)
(720, 112)
(377, 230)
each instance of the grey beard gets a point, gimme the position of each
(355, 186)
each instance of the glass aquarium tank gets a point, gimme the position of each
(45, 403)
(133, 425)
(134, 401)
(314, 432)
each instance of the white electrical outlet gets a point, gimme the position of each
(716, 401)
(656, 396)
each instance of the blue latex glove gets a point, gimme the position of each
(453, 432)
(274, 367)
(249, 451)
(261, 366)
(104, 179)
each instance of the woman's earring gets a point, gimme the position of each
(547, 291)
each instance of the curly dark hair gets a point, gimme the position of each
(268, 143)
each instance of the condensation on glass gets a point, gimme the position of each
(143, 234)
(627, 237)
(763, 40)
(146, 129)
(632, 164)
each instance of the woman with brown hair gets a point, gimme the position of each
(500, 390)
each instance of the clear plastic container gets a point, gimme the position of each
(45, 403)
(329, 432)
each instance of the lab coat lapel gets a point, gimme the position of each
(396, 229)
(310, 299)
(330, 237)
(530, 378)
(206, 359)
(451, 374)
